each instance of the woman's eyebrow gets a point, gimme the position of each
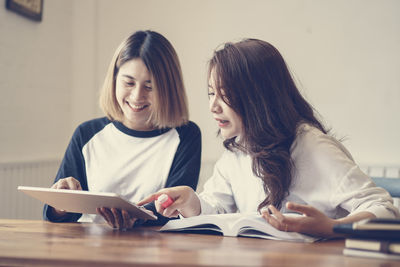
(128, 76)
(133, 78)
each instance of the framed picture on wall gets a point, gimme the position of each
(31, 9)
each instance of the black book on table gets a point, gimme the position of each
(370, 254)
(372, 248)
(378, 245)
(386, 229)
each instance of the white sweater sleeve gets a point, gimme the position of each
(217, 196)
(356, 192)
(330, 180)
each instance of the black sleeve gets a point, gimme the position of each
(73, 163)
(185, 167)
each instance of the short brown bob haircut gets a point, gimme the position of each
(170, 106)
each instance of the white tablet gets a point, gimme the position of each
(80, 201)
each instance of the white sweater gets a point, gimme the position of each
(324, 176)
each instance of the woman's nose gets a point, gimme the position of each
(215, 107)
(138, 93)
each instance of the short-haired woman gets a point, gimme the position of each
(144, 143)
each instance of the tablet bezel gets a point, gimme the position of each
(80, 201)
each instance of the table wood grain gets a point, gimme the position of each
(40, 243)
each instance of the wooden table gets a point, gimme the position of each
(39, 243)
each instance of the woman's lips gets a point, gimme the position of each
(222, 123)
(137, 108)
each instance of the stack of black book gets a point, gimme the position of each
(376, 238)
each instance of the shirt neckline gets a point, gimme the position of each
(143, 134)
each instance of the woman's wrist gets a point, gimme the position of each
(355, 217)
(194, 206)
(351, 219)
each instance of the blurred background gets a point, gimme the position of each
(344, 55)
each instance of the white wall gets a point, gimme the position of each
(35, 81)
(48, 83)
(344, 54)
(85, 80)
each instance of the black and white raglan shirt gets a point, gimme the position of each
(106, 156)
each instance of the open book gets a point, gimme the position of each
(234, 224)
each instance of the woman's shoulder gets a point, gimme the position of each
(189, 129)
(235, 157)
(97, 122)
(308, 129)
(312, 141)
(307, 134)
(89, 128)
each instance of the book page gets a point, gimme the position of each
(201, 223)
(234, 224)
(254, 225)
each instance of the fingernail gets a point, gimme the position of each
(264, 210)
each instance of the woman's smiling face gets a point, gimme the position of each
(134, 93)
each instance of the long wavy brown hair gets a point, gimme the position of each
(258, 86)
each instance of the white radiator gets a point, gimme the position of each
(15, 204)
(381, 171)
